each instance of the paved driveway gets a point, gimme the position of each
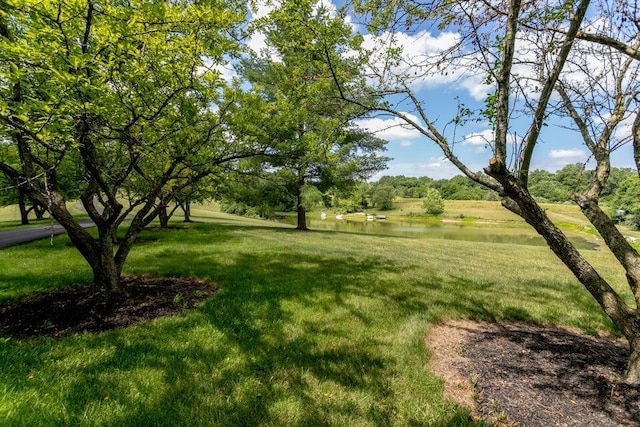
(23, 235)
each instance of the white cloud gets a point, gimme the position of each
(480, 142)
(258, 40)
(423, 62)
(475, 85)
(438, 168)
(484, 140)
(433, 167)
(405, 143)
(624, 131)
(574, 153)
(418, 60)
(261, 9)
(226, 70)
(566, 156)
(392, 129)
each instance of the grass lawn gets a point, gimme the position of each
(309, 328)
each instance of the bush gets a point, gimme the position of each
(432, 202)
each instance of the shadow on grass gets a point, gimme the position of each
(291, 339)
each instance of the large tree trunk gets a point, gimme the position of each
(302, 212)
(163, 216)
(626, 318)
(632, 375)
(106, 272)
(39, 210)
(22, 204)
(302, 218)
(186, 208)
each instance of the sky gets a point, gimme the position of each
(415, 155)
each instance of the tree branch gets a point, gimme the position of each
(547, 90)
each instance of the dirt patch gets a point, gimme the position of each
(534, 376)
(77, 309)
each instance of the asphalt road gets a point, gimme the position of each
(24, 235)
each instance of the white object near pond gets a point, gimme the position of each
(369, 217)
(339, 216)
(323, 216)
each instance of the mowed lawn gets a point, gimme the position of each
(308, 328)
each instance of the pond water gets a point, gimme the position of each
(420, 228)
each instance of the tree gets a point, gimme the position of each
(382, 197)
(432, 202)
(462, 188)
(295, 104)
(616, 177)
(14, 195)
(538, 61)
(627, 199)
(122, 91)
(350, 199)
(545, 186)
(256, 192)
(406, 186)
(311, 197)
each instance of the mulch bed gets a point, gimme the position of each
(78, 309)
(539, 376)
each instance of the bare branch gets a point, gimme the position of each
(547, 90)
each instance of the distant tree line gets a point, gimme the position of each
(266, 195)
(545, 186)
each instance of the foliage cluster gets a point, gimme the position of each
(456, 188)
(545, 186)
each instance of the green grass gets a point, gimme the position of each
(309, 328)
(10, 217)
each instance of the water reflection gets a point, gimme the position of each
(491, 233)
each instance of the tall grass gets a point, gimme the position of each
(309, 328)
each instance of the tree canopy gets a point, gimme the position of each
(296, 106)
(127, 97)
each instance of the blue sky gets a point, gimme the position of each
(415, 155)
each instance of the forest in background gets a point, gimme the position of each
(264, 197)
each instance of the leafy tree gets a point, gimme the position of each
(295, 104)
(382, 197)
(432, 202)
(462, 188)
(123, 92)
(627, 197)
(616, 177)
(574, 177)
(351, 199)
(406, 186)
(251, 189)
(311, 197)
(457, 188)
(539, 61)
(545, 186)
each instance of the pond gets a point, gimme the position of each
(449, 230)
